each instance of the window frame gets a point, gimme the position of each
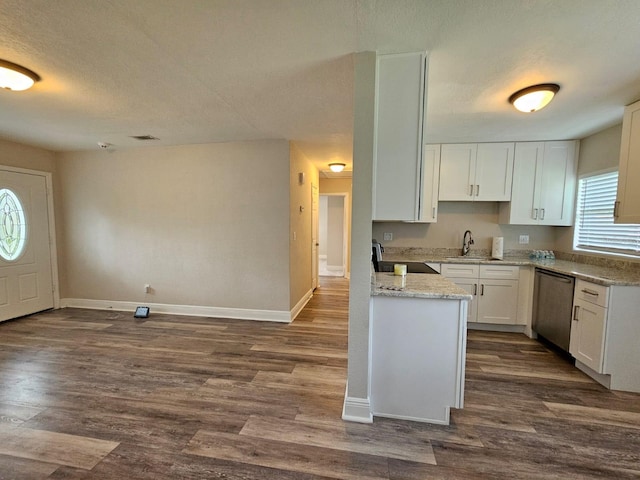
(614, 251)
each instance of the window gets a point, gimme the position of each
(13, 228)
(594, 228)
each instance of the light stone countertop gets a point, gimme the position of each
(417, 285)
(602, 275)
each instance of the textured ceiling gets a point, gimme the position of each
(189, 71)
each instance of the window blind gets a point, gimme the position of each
(595, 229)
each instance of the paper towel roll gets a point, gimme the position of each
(497, 249)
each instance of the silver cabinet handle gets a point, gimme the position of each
(575, 313)
(475, 288)
(477, 190)
(535, 213)
(482, 289)
(542, 214)
(433, 215)
(590, 292)
(471, 190)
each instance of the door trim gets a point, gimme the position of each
(48, 177)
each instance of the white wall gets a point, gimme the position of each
(205, 225)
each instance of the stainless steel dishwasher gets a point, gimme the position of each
(552, 307)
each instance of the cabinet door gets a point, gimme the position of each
(430, 182)
(628, 208)
(471, 286)
(494, 172)
(588, 334)
(498, 302)
(527, 171)
(558, 184)
(399, 102)
(457, 172)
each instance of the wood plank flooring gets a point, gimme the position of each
(100, 395)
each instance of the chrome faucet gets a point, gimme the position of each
(466, 243)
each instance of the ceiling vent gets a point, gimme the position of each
(144, 138)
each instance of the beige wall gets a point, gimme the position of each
(340, 185)
(205, 225)
(456, 217)
(300, 225)
(22, 156)
(600, 151)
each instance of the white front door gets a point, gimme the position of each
(25, 253)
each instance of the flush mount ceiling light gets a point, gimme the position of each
(336, 167)
(532, 99)
(16, 77)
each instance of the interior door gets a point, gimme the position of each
(25, 255)
(315, 198)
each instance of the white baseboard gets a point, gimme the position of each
(194, 310)
(357, 410)
(604, 380)
(300, 305)
(496, 327)
(436, 421)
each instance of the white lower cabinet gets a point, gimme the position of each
(588, 326)
(604, 334)
(494, 289)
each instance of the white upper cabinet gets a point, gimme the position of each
(628, 202)
(400, 100)
(430, 180)
(476, 172)
(544, 184)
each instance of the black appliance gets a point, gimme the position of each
(412, 267)
(376, 253)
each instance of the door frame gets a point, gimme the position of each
(345, 229)
(53, 248)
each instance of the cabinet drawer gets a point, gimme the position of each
(592, 293)
(503, 272)
(460, 270)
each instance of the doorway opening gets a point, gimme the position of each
(333, 235)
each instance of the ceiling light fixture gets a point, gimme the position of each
(336, 167)
(16, 77)
(532, 99)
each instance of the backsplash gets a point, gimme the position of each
(600, 261)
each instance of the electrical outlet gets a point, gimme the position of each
(388, 236)
(147, 288)
(524, 240)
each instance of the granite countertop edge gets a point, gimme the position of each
(605, 276)
(417, 285)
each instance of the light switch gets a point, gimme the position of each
(524, 240)
(388, 236)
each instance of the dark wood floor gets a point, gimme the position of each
(99, 395)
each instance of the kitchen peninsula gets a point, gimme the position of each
(418, 346)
